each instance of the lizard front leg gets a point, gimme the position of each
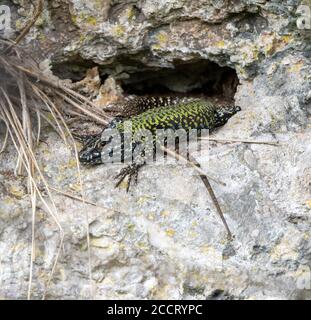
(131, 171)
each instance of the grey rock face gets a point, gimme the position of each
(164, 239)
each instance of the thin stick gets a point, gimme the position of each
(5, 141)
(71, 196)
(49, 104)
(193, 162)
(85, 111)
(213, 197)
(242, 141)
(194, 165)
(33, 245)
(39, 123)
(38, 11)
(90, 113)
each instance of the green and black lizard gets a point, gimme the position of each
(155, 113)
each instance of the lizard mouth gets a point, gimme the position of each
(90, 157)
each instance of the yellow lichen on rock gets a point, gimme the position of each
(161, 40)
(17, 192)
(296, 67)
(118, 30)
(165, 213)
(170, 232)
(130, 13)
(91, 21)
(220, 44)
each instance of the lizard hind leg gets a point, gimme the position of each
(131, 172)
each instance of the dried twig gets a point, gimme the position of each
(74, 197)
(37, 13)
(213, 197)
(204, 178)
(177, 156)
(272, 143)
(5, 140)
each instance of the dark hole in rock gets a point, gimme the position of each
(75, 69)
(203, 78)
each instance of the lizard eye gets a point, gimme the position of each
(100, 144)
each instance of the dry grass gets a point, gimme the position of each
(27, 96)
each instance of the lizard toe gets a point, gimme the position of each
(132, 172)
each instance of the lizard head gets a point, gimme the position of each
(223, 114)
(93, 156)
(94, 146)
(91, 152)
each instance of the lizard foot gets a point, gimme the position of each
(131, 171)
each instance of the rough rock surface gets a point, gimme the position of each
(164, 239)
